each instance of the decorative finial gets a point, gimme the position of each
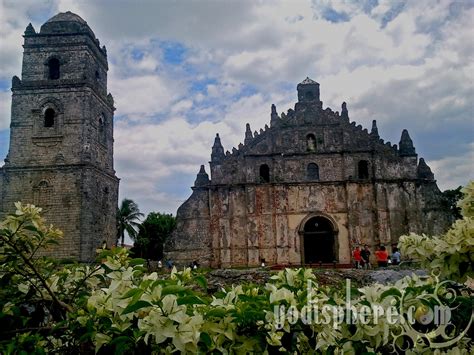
(15, 81)
(274, 116)
(344, 111)
(30, 30)
(423, 171)
(202, 178)
(248, 134)
(375, 131)
(406, 145)
(217, 150)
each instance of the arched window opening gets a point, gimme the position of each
(102, 130)
(49, 115)
(363, 169)
(312, 171)
(43, 184)
(310, 143)
(309, 95)
(53, 65)
(264, 173)
(97, 75)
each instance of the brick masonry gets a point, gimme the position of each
(65, 165)
(364, 190)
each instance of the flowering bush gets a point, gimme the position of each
(116, 306)
(452, 254)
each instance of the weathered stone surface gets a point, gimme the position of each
(64, 165)
(312, 166)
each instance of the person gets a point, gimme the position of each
(365, 256)
(382, 256)
(169, 264)
(395, 256)
(357, 257)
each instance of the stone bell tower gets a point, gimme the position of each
(61, 136)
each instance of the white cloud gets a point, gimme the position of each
(453, 171)
(5, 104)
(406, 64)
(143, 96)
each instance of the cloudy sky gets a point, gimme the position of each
(180, 71)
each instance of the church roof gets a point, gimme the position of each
(308, 81)
(66, 22)
(67, 16)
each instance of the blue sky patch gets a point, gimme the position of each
(332, 15)
(173, 52)
(4, 144)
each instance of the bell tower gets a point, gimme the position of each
(61, 136)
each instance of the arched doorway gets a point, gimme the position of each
(319, 242)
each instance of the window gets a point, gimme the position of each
(264, 173)
(97, 75)
(363, 169)
(310, 143)
(53, 66)
(312, 171)
(309, 95)
(102, 130)
(49, 117)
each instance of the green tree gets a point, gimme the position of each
(128, 217)
(152, 234)
(451, 198)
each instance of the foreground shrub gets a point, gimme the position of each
(452, 254)
(116, 306)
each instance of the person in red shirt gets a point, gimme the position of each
(382, 256)
(357, 257)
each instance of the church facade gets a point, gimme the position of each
(60, 156)
(306, 189)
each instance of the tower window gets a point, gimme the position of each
(102, 130)
(309, 95)
(311, 143)
(53, 66)
(312, 171)
(49, 117)
(97, 75)
(363, 168)
(264, 173)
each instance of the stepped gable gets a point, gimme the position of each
(305, 189)
(308, 114)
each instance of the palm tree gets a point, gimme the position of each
(128, 217)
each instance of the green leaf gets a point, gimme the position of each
(172, 290)
(391, 292)
(31, 228)
(217, 312)
(201, 281)
(132, 292)
(136, 306)
(137, 261)
(191, 299)
(206, 339)
(120, 340)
